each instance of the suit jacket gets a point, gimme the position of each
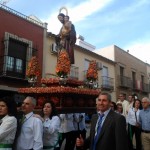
(113, 135)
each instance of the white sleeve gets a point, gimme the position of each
(38, 134)
(53, 126)
(7, 126)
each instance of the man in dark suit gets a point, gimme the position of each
(112, 135)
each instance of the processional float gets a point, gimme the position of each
(69, 95)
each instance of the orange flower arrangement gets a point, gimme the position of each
(92, 73)
(59, 90)
(63, 64)
(55, 81)
(33, 68)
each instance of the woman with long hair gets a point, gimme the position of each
(133, 125)
(51, 125)
(8, 123)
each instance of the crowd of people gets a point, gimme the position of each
(113, 126)
(137, 115)
(45, 131)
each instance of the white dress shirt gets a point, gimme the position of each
(31, 134)
(50, 131)
(8, 131)
(131, 119)
(66, 123)
(79, 121)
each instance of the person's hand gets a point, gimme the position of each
(38, 116)
(137, 125)
(80, 141)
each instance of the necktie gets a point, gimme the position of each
(98, 130)
(23, 119)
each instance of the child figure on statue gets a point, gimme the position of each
(65, 30)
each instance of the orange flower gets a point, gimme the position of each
(63, 64)
(33, 68)
(92, 73)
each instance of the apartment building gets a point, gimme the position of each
(21, 38)
(130, 72)
(148, 77)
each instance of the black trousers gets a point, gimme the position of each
(137, 131)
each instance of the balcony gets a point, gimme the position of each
(74, 72)
(125, 82)
(84, 75)
(145, 88)
(12, 67)
(139, 86)
(107, 83)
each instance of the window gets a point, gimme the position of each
(121, 75)
(19, 65)
(10, 63)
(134, 79)
(17, 52)
(86, 66)
(142, 82)
(105, 79)
(16, 58)
(14, 64)
(74, 72)
(121, 71)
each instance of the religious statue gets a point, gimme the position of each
(66, 38)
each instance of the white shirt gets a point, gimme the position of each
(31, 134)
(79, 118)
(125, 105)
(8, 131)
(129, 106)
(50, 131)
(66, 123)
(131, 119)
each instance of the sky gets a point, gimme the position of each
(124, 23)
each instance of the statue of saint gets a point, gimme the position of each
(66, 38)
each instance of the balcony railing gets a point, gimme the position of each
(74, 72)
(125, 82)
(21, 15)
(12, 69)
(145, 88)
(139, 86)
(107, 83)
(84, 75)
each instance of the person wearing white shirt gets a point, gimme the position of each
(67, 130)
(131, 101)
(30, 137)
(51, 125)
(8, 123)
(133, 125)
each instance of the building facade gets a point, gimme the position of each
(130, 72)
(21, 38)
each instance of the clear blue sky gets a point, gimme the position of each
(125, 23)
